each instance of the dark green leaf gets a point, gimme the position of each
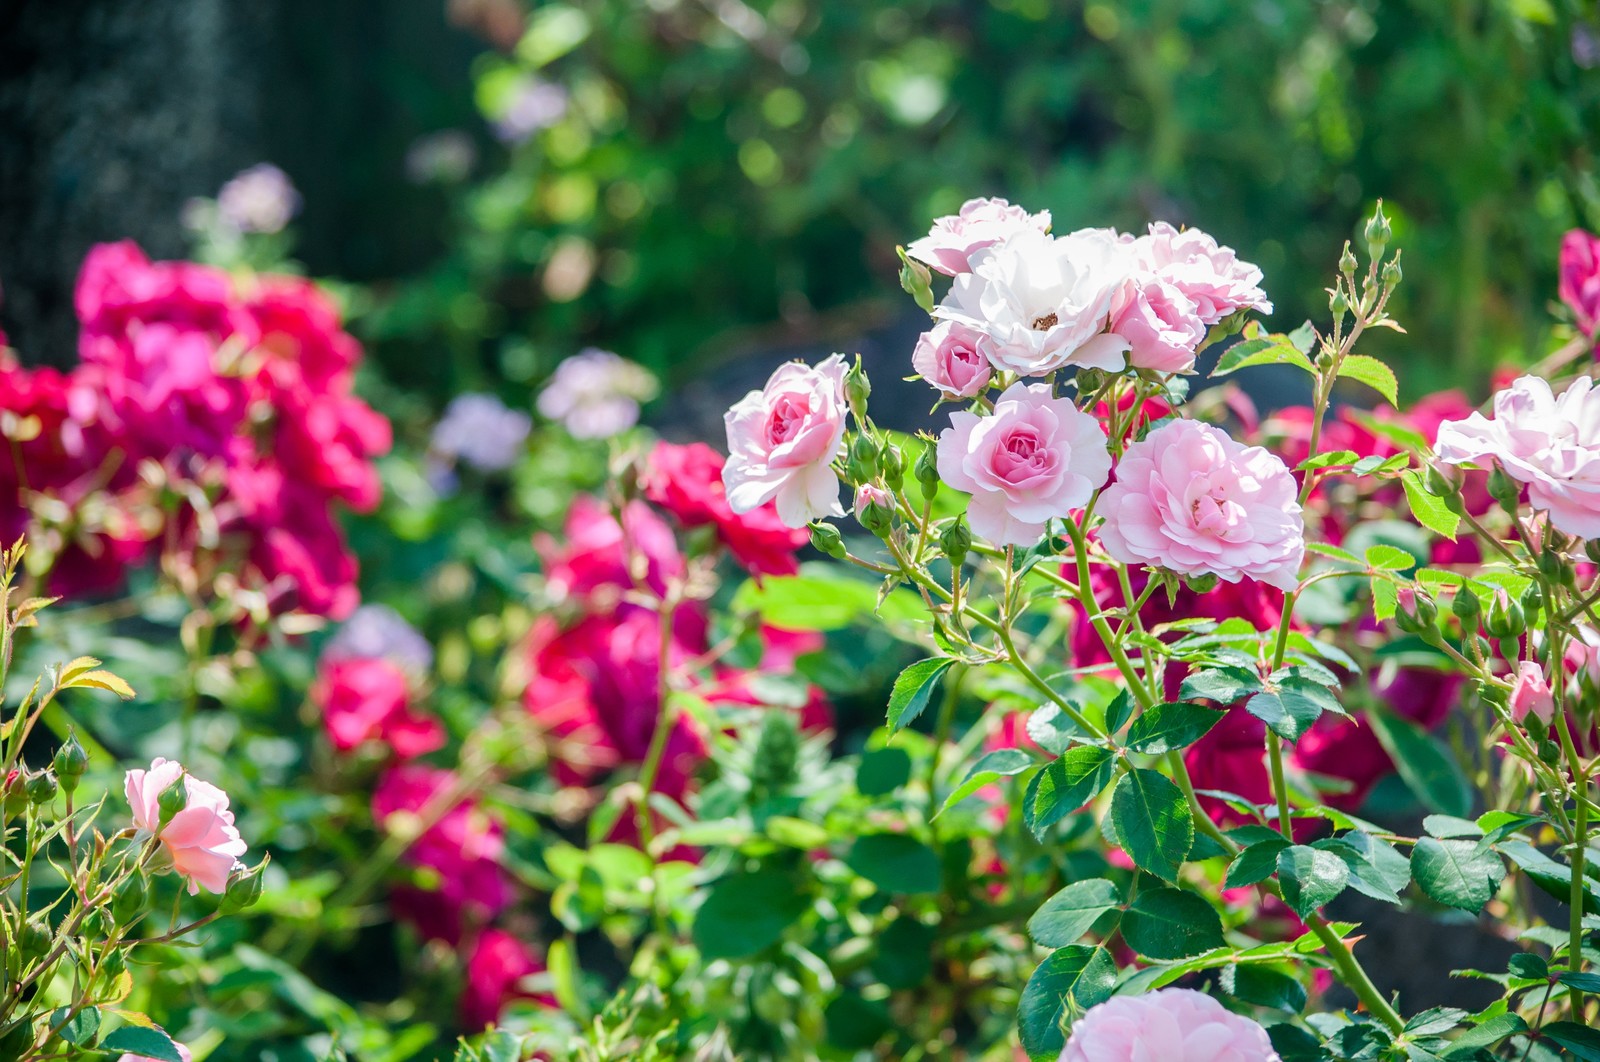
(913, 689)
(747, 913)
(1257, 862)
(1376, 869)
(1583, 982)
(138, 1040)
(1171, 924)
(1581, 1040)
(1486, 1035)
(1066, 784)
(1292, 706)
(81, 1029)
(895, 862)
(1001, 763)
(1264, 987)
(1068, 914)
(1221, 684)
(1435, 1020)
(904, 957)
(1442, 826)
(1153, 822)
(1457, 873)
(1427, 767)
(882, 771)
(1118, 711)
(1067, 983)
(1169, 727)
(1310, 877)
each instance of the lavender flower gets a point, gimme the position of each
(445, 156)
(260, 199)
(595, 394)
(480, 430)
(380, 631)
(532, 105)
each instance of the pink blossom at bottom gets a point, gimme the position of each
(1172, 1025)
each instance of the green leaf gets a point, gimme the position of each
(1457, 873)
(1264, 987)
(1376, 868)
(913, 689)
(1386, 558)
(1486, 1035)
(1330, 457)
(1169, 727)
(1581, 1040)
(1068, 914)
(1434, 1021)
(895, 862)
(1372, 372)
(1583, 982)
(746, 913)
(1258, 862)
(904, 956)
(1067, 983)
(1153, 822)
(1065, 785)
(137, 1040)
(1310, 877)
(1221, 684)
(1443, 826)
(1001, 763)
(1292, 705)
(81, 1029)
(1266, 350)
(882, 771)
(1429, 509)
(1426, 766)
(820, 598)
(1171, 924)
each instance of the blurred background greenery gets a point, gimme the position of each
(686, 181)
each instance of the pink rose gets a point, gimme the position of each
(599, 556)
(948, 357)
(1551, 444)
(1210, 276)
(1190, 499)
(1042, 303)
(1580, 278)
(1172, 1025)
(954, 238)
(494, 977)
(782, 441)
(369, 699)
(1161, 324)
(1531, 693)
(200, 840)
(1035, 457)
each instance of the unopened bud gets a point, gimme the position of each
(1415, 611)
(1347, 262)
(1467, 608)
(1532, 599)
(128, 903)
(113, 963)
(70, 762)
(1391, 274)
(1445, 489)
(41, 787)
(875, 509)
(956, 542)
(1505, 617)
(1378, 232)
(917, 281)
(244, 888)
(856, 389)
(892, 466)
(825, 538)
(1591, 549)
(862, 465)
(173, 799)
(1202, 584)
(35, 939)
(1338, 305)
(1504, 489)
(927, 472)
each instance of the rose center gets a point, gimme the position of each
(1045, 323)
(787, 417)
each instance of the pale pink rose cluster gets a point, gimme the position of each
(199, 841)
(1171, 1025)
(1551, 444)
(1026, 302)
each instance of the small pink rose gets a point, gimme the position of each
(949, 357)
(200, 840)
(1161, 324)
(1580, 278)
(1209, 275)
(1034, 458)
(1531, 693)
(782, 441)
(1171, 1025)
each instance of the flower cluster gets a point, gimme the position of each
(210, 419)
